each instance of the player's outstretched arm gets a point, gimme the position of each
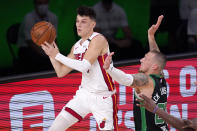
(133, 80)
(151, 34)
(152, 107)
(116, 74)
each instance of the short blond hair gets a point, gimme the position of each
(160, 58)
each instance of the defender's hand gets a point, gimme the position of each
(108, 61)
(153, 28)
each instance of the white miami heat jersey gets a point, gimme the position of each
(96, 79)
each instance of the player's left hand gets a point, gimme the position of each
(50, 49)
(108, 61)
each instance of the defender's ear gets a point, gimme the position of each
(94, 24)
(155, 67)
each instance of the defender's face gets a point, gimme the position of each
(146, 62)
(84, 25)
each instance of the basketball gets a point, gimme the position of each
(43, 31)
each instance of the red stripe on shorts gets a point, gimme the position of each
(115, 109)
(73, 113)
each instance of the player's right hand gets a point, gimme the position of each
(108, 61)
(154, 28)
(50, 49)
(191, 124)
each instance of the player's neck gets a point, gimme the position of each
(156, 72)
(85, 37)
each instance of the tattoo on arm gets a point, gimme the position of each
(140, 79)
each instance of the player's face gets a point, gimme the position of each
(84, 25)
(146, 62)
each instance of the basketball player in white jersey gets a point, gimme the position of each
(96, 93)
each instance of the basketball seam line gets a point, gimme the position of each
(41, 25)
(38, 28)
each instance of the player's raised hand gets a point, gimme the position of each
(108, 61)
(50, 49)
(153, 28)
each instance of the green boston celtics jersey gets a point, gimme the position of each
(145, 120)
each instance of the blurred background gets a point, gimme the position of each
(172, 36)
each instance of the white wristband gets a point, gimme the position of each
(119, 76)
(82, 66)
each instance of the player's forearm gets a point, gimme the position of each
(171, 120)
(152, 43)
(119, 76)
(82, 66)
(60, 69)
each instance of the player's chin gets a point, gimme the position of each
(79, 33)
(141, 70)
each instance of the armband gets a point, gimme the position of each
(119, 76)
(82, 66)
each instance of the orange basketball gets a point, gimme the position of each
(43, 31)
